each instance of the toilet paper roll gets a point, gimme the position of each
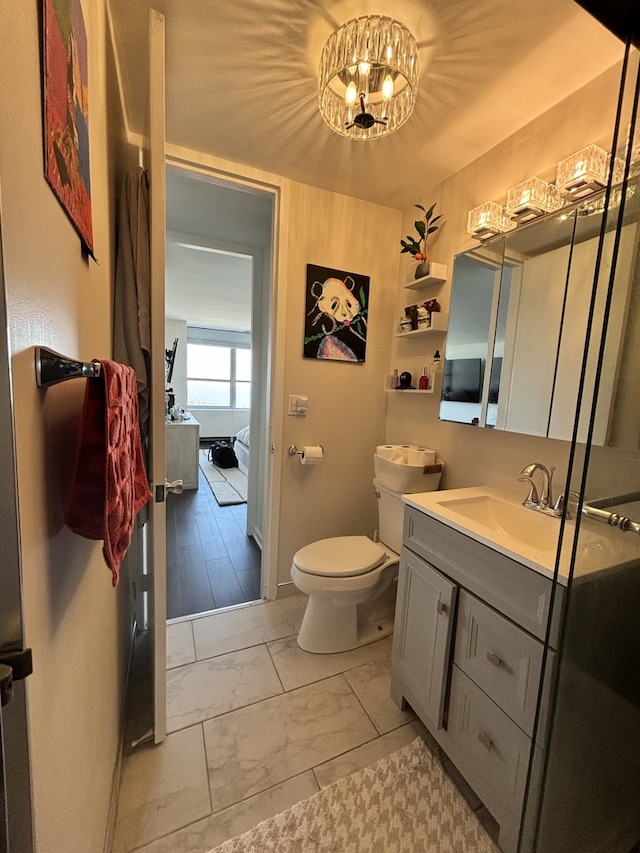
(386, 451)
(312, 454)
(421, 456)
(404, 450)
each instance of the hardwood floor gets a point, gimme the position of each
(211, 562)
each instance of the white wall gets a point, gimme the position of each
(75, 622)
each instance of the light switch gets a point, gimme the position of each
(298, 405)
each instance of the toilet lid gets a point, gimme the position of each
(344, 556)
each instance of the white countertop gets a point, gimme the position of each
(536, 536)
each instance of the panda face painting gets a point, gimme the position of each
(336, 314)
(337, 300)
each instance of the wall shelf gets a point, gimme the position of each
(437, 275)
(409, 390)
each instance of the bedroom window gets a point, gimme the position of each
(218, 376)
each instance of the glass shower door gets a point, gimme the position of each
(584, 789)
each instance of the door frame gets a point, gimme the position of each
(278, 188)
(155, 540)
(16, 820)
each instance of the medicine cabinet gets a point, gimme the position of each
(519, 314)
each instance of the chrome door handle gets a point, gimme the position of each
(176, 487)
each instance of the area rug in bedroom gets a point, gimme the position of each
(405, 803)
(229, 485)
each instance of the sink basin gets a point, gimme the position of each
(502, 523)
(496, 520)
(520, 523)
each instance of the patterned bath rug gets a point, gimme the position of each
(405, 803)
(229, 485)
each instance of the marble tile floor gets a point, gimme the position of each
(254, 725)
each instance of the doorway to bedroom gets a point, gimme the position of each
(219, 237)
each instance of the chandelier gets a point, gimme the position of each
(368, 77)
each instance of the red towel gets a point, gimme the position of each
(109, 484)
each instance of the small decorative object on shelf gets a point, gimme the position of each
(405, 381)
(418, 247)
(434, 368)
(424, 317)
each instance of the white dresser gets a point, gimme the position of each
(183, 449)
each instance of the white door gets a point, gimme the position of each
(156, 528)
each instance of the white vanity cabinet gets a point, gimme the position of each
(467, 657)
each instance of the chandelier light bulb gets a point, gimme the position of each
(351, 94)
(387, 87)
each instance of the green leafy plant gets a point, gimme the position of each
(424, 227)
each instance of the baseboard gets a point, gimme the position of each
(285, 590)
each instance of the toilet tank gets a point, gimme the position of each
(390, 517)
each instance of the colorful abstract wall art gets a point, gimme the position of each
(66, 112)
(337, 307)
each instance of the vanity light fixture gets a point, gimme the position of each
(487, 220)
(583, 172)
(368, 77)
(531, 198)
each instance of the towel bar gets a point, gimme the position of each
(51, 367)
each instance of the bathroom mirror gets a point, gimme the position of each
(520, 306)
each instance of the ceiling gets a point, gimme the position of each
(241, 83)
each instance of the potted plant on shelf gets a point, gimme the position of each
(418, 248)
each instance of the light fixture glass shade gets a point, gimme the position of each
(375, 58)
(487, 220)
(531, 198)
(583, 172)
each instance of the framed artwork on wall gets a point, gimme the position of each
(66, 112)
(336, 314)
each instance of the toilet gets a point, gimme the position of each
(351, 583)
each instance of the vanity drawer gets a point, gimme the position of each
(490, 751)
(519, 592)
(500, 658)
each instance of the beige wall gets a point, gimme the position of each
(75, 622)
(347, 402)
(481, 456)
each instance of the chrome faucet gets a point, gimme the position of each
(541, 501)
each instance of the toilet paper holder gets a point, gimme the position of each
(293, 450)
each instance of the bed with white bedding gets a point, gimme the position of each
(241, 447)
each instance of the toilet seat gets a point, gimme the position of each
(340, 556)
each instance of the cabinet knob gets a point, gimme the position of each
(494, 659)
(441, 607)
(485, 740)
